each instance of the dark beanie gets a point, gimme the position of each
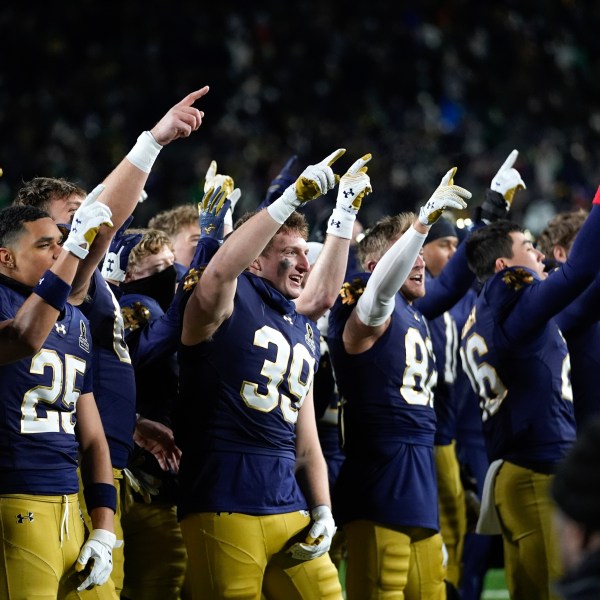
(576, 485)
(441, 228)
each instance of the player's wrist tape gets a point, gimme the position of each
(281, 209)
(597, 196)
(341, 223)
(100, 495)
(53, 290)
(76, 250)
(145, 151)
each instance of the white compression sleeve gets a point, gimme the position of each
(378, 300)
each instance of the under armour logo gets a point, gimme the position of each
(110, 262)
(349, 192)
(74, 225)
(335, 223)
(60, 328)
(40, 281)
(288, 319)
(22, 518)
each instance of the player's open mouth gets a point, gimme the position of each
(417, 278)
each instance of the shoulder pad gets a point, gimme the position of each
(352, 291)
(192, 277)
(135, 316)
(517, 277)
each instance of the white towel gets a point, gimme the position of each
(488, 522)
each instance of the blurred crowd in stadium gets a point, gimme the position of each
(422, 85)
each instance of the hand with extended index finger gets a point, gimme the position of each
(181, 120)
(446, 195)
(354, 186)
(318, 179)
(508, 180)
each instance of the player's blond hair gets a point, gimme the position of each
(173, 220)
(152, 242)
(381, 236)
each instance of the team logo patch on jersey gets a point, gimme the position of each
(60, 329)
(135, 316)
(309, 338)
(192, 278)
(84, 343)
(351, 292)
(517, 278)
(28, 518)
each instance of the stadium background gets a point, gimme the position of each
(421, 85)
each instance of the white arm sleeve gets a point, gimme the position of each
(378, 300)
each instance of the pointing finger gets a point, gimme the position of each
(333, 157)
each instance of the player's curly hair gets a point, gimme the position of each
(172, 220)
(152, 242)
(41, 191)
(561, 231)
(381, 236)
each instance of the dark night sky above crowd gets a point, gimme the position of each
(421, 85)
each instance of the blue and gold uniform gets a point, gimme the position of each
(388, 427)
(42, 530)
(239, 493)
(520, 369)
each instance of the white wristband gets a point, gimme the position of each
(341, 223)
(78, 251)
(284, 206)
(145, 151)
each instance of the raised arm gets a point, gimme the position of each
(444, 291)
(373, 311)
(24, 334)
(327, 274)
(212, 300)
(125, 184)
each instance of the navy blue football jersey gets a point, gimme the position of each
(38, 447)
(581, 328)
(520, 370)
(388, 419)
(114, 381)
(240, 393)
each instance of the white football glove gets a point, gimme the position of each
(354, 186)
(447, 195)
(98, 550)
(86, 222)
(318, 540)
(508, 180)
(316, 180)
(313, 182)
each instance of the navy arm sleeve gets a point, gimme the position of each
(539, 303)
